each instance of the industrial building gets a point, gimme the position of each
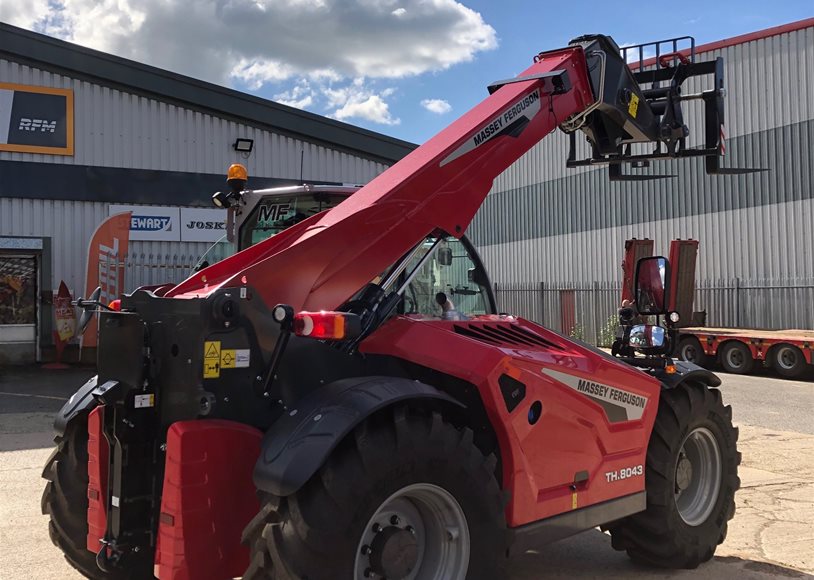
(84, 134)
(553, 238)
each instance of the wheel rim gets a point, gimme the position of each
(786, 358)
(418, 532)
(698, 476)
(735, 358)
(689, 353)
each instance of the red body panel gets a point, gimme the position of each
(208, 499)
(98, 454)
(574, 432)
(321, 262)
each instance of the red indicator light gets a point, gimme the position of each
(327, 325)
(323, 325)
(115, 305)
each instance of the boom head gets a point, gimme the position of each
(645, 107)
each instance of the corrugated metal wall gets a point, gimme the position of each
(115, 128)
(545, 223)
(70, 224)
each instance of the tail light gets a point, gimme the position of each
(327, 325)
(115, 305)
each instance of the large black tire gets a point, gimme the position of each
(316, 532)
(736, 358)
(65, 499)
(788, 361)
(661, 535)
(690, 350)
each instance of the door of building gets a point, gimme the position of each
(19, 281)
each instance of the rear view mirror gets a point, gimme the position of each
(651, 285)
(445, 256)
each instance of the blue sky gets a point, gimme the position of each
(405, 68)
(525, 28)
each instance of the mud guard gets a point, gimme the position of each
(687, 371)
(81, 400)
(297, 445)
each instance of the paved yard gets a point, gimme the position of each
(772, 535)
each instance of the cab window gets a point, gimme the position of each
(449, 286)
(273, 215)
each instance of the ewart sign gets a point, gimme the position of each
(36, 119)
(173, 224)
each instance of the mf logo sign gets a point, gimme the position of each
(36, 119)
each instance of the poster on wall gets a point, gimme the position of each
(18, 290)
(36, 119)
(151, 222)
(105, 266)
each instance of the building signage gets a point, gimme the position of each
(173, 224)
(36, 119)
(151, 222)
(202, 225)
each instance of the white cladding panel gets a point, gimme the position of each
(115, 128)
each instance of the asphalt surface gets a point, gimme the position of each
(771, 536)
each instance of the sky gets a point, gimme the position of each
(405, 68)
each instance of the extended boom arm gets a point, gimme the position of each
(322, 261)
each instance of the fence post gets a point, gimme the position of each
(542, 304)
(737, 302)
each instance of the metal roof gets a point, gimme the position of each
(76, 60)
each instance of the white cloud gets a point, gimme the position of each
(260, 41)
(320, 54)
(300, 97)
(437, 106)
(371, 109)
(358, 101)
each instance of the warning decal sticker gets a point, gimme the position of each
(227, 359)
(212, 359)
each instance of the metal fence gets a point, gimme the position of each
(589, 311)
(144, 270)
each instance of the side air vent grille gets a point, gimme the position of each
(503, 334)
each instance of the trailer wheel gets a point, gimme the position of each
(690, 350)
(788, 361)
(736, 358)
(691, 477)
(65, 499)
(408, 495)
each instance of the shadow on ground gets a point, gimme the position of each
(590, 555)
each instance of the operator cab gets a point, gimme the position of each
(255, 215)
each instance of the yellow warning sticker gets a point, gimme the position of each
(211, 363)
(574, 500)
(228, 359)
(633, 107)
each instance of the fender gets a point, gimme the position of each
(297, 445)
(687, 371)
(81, 400)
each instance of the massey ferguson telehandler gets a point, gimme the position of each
(343, 399)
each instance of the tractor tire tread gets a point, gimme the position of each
(658, 536)
(301, 540)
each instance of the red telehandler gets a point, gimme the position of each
(343, 399)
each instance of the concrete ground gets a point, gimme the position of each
(772, 535)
